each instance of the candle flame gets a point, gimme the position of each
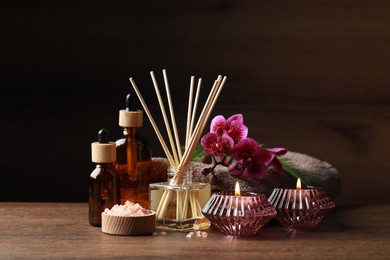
(237, 189)
(299, 185)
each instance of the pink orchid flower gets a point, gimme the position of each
(224, 134)
(215, 145)
(242, 155)
(233, 126)
(251, 160)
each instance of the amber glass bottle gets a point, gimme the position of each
(104, 184)
(133, 157)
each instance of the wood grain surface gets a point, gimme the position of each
(61, 230)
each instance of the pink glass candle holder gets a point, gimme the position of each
(300, 208)
(238, 215)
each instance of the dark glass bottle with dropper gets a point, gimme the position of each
(133, 156)
(104, 184)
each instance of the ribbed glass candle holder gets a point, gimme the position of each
(240, 216)
(300, 208)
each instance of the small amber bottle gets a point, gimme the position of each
(104, 184)
(133, 156)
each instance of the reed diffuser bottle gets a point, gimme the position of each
(104, 187)
(178, 203)
(133, 156)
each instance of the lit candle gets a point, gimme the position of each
(240, 202)
(237, 199)
(300, 208)
(300, 193)
(238, 213)
(299, 185)
(237, 189)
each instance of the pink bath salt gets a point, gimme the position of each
(129, 209)
(198, 234)
(163, 233)
(205, 234)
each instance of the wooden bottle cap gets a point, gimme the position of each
(130, 118)
(103, 153)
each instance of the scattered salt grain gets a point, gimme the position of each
(129, 209)
(163, 233)
(154, 233)
(198, 234)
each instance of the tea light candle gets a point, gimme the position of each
(239, 202)
(238, 213)
(300, 208)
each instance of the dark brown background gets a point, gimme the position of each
(312, 76)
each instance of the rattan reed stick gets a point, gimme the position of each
(211, 100)
(178, 147)
(166, 121)
(195, 106)
(189, 111)
(155, 127)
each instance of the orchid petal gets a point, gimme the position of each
(218, 122)
(255, 171)
(208, 142)
(264, 156)
(236, 117)
(246, 148)
(277, 151)
(237, 131)
(277, 166)
(227, 144)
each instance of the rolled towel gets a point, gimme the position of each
(318, 173)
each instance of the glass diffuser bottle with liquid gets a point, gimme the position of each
(178, 203)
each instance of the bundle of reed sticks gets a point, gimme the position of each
(178, 160)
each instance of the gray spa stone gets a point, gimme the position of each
(317, 172)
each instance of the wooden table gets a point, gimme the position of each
(61, 230)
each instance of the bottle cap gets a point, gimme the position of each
(130, 117)
(103, 151)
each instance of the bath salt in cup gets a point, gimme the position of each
(129, 219)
